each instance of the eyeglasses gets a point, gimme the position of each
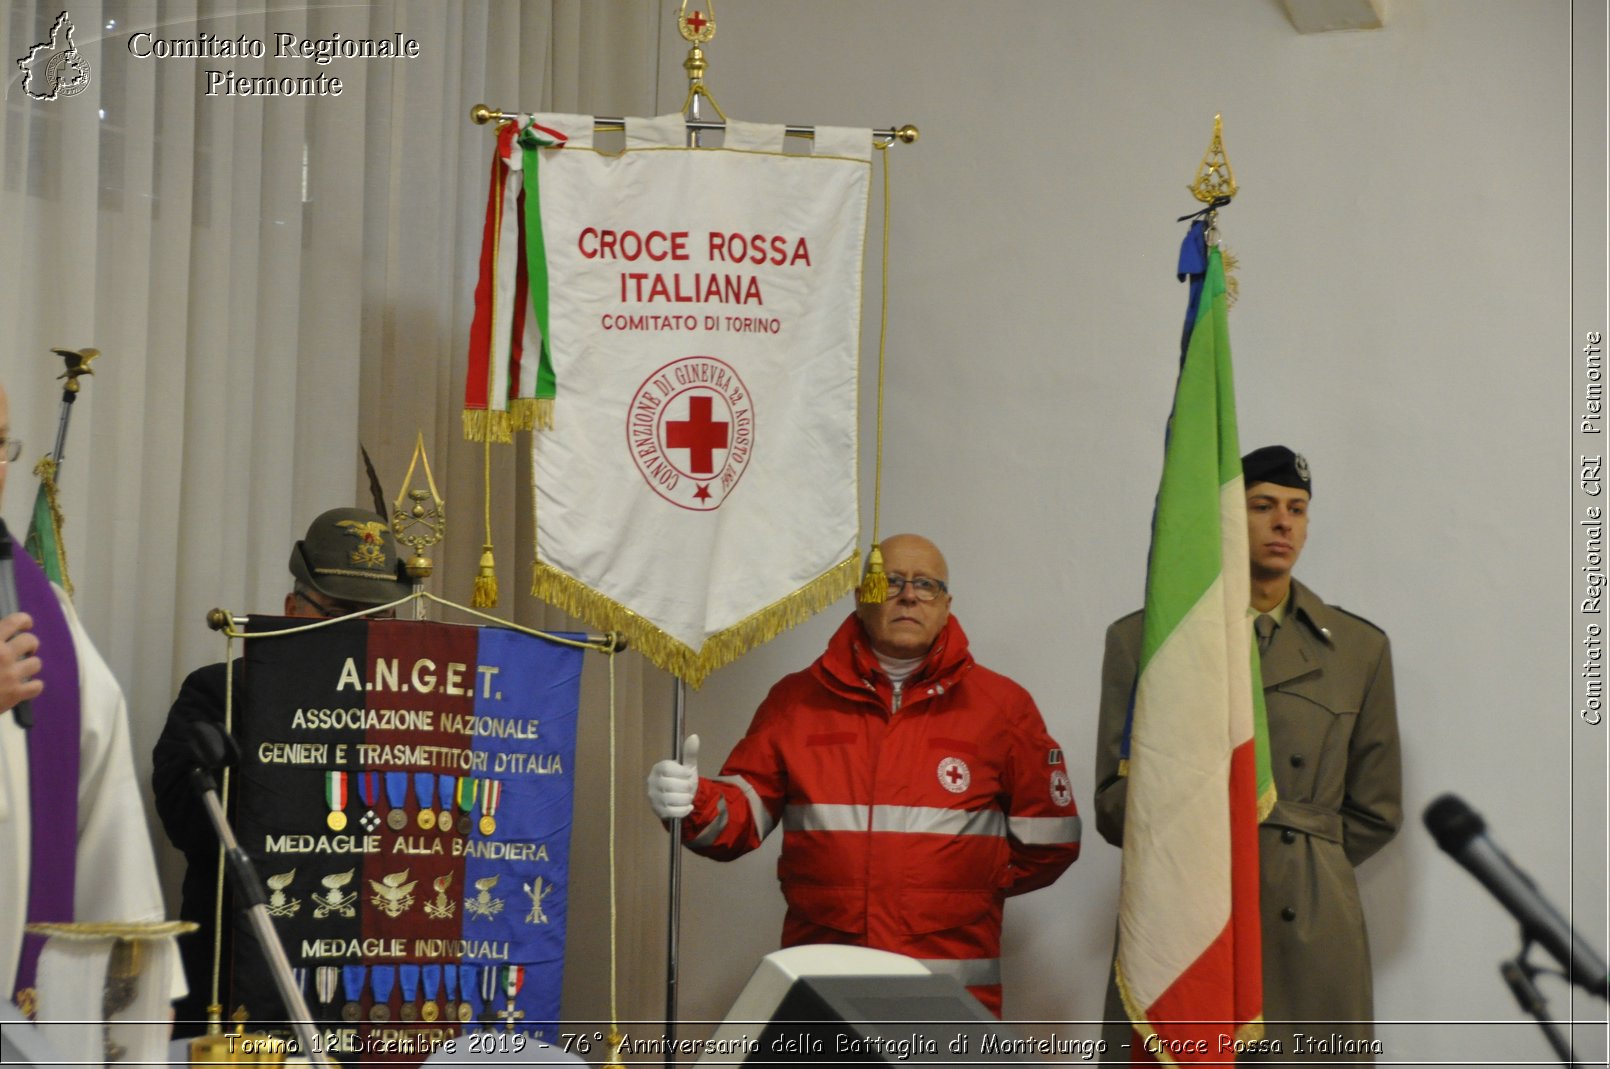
(10, 449)
(922, 588)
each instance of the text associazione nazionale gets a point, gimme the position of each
(319, 51)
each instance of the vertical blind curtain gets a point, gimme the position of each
(272, 280)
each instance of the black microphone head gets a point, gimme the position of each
(212, 747)
(1453, 823)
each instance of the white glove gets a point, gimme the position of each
(671, 784)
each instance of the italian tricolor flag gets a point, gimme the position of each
(1189, 947)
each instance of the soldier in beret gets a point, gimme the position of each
(347, 563)
(1333, 744)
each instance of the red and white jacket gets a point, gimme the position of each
(903, 830)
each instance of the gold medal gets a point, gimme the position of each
(444, 820)
(428, 1012)
(335, 798)
(488, 825)
(427, 819)
(465, 1014)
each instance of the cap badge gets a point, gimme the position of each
(370, 551)
(1302, 465)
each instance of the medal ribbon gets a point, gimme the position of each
(352, 981)
(325, 977)
(397, 789)
(513, 979)
(408, 976)
(369, 788)
(468, 788)
(446, 791)
(449, 979)
(467, 975)
(432, 975)
(335, 790)
(383, 978)
(425, 788)
(490, 798)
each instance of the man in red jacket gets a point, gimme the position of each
(916, 788)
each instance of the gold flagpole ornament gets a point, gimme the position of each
(423, 523)
(1215, 186)
(697, 29)
(1215, 181)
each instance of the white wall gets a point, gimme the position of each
(1404, 321)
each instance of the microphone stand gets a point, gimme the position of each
(1519, 975)
(250, 889)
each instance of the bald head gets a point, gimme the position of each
(905, 626)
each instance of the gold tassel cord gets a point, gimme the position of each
(724, 647)
(485, 593)
(875, 585)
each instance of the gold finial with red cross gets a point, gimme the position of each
(696, 27)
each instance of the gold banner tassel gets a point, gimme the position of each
(485, 593)
(875, 584)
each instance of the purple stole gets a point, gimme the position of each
(53, 758)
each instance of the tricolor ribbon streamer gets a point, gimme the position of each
(510, 382)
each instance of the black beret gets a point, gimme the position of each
(1279, 465)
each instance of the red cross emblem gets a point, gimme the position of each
(690, 429)
(954, 775)
(697, 21)
(700, 434)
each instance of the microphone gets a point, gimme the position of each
(23, 710)
(1462, 834)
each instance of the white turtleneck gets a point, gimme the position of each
(898, 670)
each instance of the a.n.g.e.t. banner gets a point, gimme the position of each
(405, 793)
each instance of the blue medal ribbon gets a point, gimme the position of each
(352, 981)
(450, 979)
(397, 789)
(467, 976)
(425, 788)
(408, 977)
(432, 975)
(383, 978)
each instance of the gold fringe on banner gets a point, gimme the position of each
(526, 414)
(480, 424)
(724, 647)
(532, 413)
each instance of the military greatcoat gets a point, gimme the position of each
(1333, 743)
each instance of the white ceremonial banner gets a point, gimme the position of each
(698, 489)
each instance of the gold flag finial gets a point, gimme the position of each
(423, 523)
(697, 28)
(1215, 181)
